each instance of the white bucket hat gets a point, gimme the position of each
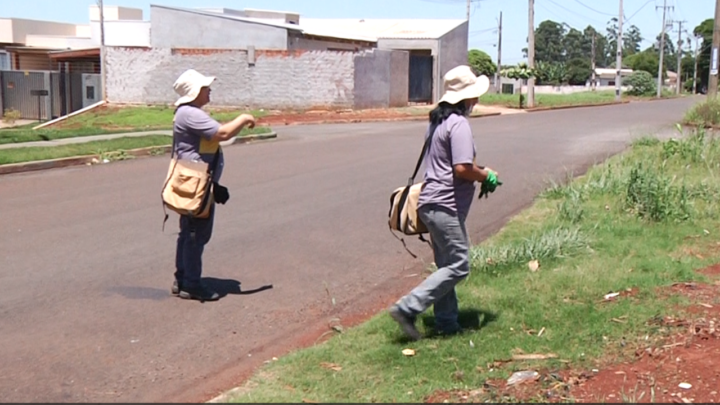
(462, 84)
(188, 85)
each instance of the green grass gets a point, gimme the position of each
(109, 120)
(625, 224)
(550, 100)
(705, 113)
(31, 154)
(28, 154)
(559, 100)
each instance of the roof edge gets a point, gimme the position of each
(227, 17)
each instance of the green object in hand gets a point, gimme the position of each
(489, 185)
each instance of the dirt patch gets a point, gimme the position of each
(681, 369)
(712, 271)
(678, 367)
(338, 116)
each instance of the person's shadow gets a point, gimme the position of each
(469, 319)
(225, 287)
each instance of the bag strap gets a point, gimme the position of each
(426, 147)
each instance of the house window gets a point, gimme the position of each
(611, 83)
(4, 60)
(90, 92)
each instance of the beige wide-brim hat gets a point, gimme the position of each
(462, 84)
(189, 84)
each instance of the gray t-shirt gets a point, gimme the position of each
(193, 130)
(452, 144)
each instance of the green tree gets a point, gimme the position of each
(631, 41)
(481, 63)
(578, 71)
(520, 72)
(641, 84)
(574, 45)
(612, 38)
(549, 37)
(646, 61)
(601, 56)
(704, 30)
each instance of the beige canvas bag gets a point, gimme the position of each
(188, 187)
(403, 215)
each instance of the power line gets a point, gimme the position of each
(639, 10)
(590, 8)
(573, 12)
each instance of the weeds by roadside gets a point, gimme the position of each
(538, 287)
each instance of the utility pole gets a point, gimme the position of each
(498, 79)
(468, 11)
(592, 80)
(103, 70)
(531, 52)
(662, 50)
(678, 83)
(697, 53)
(618, 61)
(713, 80)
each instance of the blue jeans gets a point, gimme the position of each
(450, 246)
(194, 234)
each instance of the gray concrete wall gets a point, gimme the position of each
(372, 79)
(278, 79)
(299, 42)
(399, 78)
(433, 45)
(453, 53)
(183, 29)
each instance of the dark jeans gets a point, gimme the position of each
(194, 234)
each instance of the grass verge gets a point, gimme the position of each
(560, 100)
(112, 147)
(100, 148)
(627, 224)
(706, 113)
(109, 120)
(550, 100)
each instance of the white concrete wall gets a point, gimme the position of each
(58, 42)
(122, 33)
(115, 13)
(16, 30)
(83, 31)
(278, 79)
(183, 29)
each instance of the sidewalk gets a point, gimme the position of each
(82, 139)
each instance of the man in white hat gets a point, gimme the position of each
(445, 200)
(197, 137)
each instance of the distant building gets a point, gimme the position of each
(607, 77)
(263, 58)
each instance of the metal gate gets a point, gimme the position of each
(421, 79)
(17, 87)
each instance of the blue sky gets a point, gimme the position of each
(483, 22)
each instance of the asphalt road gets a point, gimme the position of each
(85, 311)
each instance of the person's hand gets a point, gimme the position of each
(249, 120)
(490, 184)
(492, 178)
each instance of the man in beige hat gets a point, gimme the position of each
(197, 137)
(445, 200)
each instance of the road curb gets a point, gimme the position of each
(369, 120)
(568, 107)
(88, 160)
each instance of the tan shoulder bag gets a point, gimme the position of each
(188, 186)
(403, 215)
